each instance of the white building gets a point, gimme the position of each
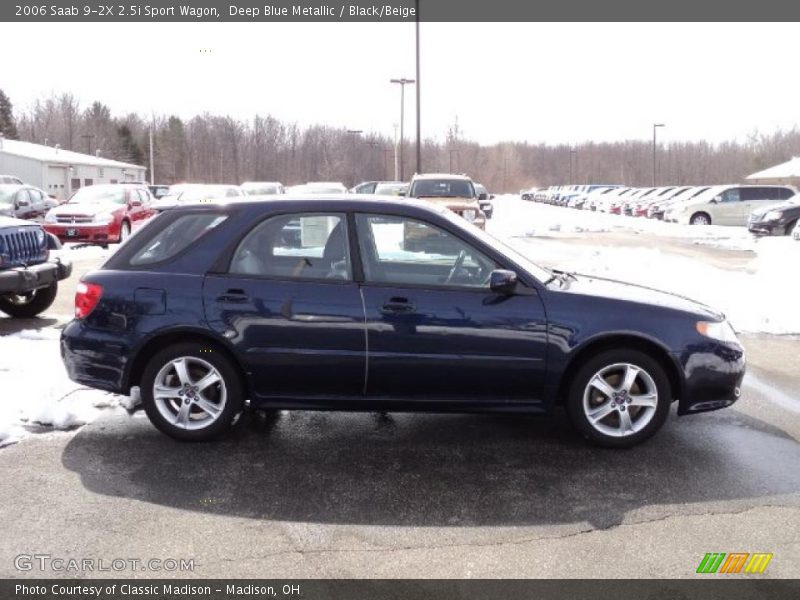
(62, 172)
(784, 173)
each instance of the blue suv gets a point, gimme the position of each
(350, 303)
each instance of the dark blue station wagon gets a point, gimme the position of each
(385, 304)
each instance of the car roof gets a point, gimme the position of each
(441, 176)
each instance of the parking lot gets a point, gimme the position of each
(310, 494)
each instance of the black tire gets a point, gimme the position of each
(229, 376)
(29, 305)
(594, 365)
(124, 232)
(700, 218)
(790, 227)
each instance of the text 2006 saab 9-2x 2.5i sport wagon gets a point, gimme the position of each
(320, 304)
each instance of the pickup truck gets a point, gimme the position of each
(28, 275)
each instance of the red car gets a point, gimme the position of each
(100, 214)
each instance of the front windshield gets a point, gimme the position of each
(442, 188)
(200, 193)
(98, 194)
(393, 189)
(539, 272)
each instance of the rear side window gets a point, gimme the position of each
(175, 237)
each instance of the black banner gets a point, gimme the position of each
(154, 11)
(713, 588)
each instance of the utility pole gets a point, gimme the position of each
(655, 128)
(402, 82)
(152, 173)
(396, 163)
(419, 118)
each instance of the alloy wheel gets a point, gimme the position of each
(620, 400)
(190, 393)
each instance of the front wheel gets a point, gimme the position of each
(191, 392)
(619, 398)
(26, 306)
(700, 219)
(124, 231)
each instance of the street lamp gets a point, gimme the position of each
(402, 82)
(572, 152)
(355, 133)
(655, 128)
(419, 119)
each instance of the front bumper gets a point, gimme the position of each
(767, 228)
(84, 232)
(713, 374)
(21, 280)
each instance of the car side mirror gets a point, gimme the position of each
(502, 281)
(403, 194)
(715, 199)
(491, 197)
(482, 196)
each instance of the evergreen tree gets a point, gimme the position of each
(8, 126)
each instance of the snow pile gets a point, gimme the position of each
(36, 394)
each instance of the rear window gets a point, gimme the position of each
(175, 237)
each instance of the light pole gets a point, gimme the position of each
(655, 128)
(419, 127)
(355, 133)
(572, 152)
(402, 82)
(453, 151)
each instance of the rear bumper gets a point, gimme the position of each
(22, 280)
(94, 358)
(712, 376)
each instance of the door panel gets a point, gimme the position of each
(297, 339)
(454, 345)
(434, 329)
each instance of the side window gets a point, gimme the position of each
(405, 251)
(144, 197)
(36, 196)
(784, 193)
(23, 197)
(299, 246)
(731, 195)
(175, 237)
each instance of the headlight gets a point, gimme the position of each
(50, 217)
(469, 215)
(103, 218)
(717, 330)
(773, 215)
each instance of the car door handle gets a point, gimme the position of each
(397, 306)
(233, 295)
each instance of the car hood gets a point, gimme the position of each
(782, 206)
(84, 208)
(14, 222)
(452, 203)
(600, 287)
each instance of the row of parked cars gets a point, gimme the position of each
(763, 209)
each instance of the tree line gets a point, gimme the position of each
(212, 148)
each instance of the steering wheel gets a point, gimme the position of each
(456, 266)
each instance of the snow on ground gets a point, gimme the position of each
(36, 393)
(759, 298)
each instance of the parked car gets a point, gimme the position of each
(158, 191)
(101, 214)
(658, 209)
(485, 200)
(317, 188)
(225, 312)
(190, 193)
(24, 201)
(780, 219)
(728, 204)
(455, 192)
(365, 187)
(391, 188)
(28, 275)
(263, 188)
(10, 179)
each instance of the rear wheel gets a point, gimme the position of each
(700, 219)
(619, 398)
(191, 392)
(29, 305)
(790, 227)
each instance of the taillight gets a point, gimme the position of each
(87, 295)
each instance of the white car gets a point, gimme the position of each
(317, 187)
(728, 204)
(188, 193)
(263, 188)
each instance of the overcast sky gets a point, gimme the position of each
(540, 82)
